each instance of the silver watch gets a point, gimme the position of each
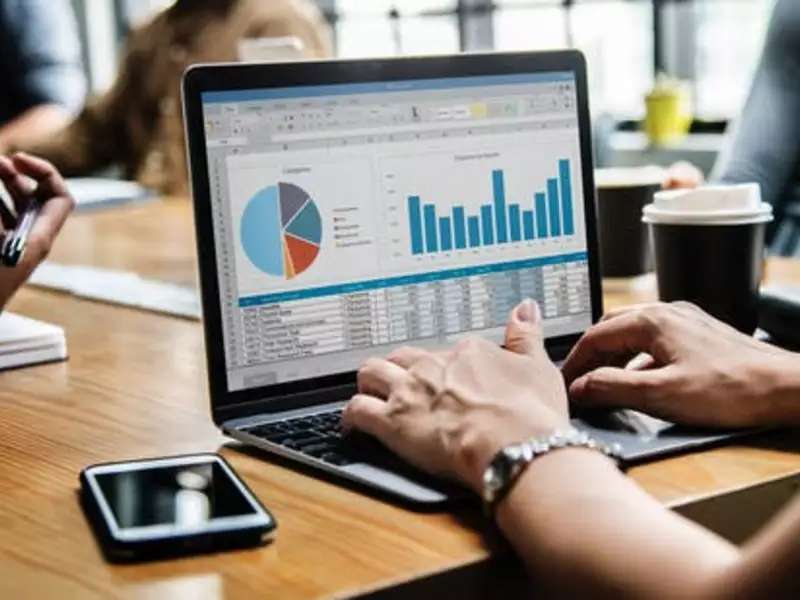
(511, 461)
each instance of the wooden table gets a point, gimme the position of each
(135, 386)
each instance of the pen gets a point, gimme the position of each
(16, 240)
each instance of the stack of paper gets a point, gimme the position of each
(95, 192)
(24, 341)
(118, 287)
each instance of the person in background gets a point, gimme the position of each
(23, 177)
(40, 67)
(137, 124)
(764, 145)
(582, 527)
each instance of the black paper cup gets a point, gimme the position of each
(717, 267)
(624, 240)
(716, 261)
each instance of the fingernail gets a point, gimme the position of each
(30, 186)
(529, 311)
(578, 386)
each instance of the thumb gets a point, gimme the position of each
(614, 387)
(524, 329)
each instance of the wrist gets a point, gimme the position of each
(478, 453)
(556, 478)
(783, 390)
(508, 465)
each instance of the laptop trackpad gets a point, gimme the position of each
(394, 482)
(642, 436)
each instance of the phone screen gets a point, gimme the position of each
(182, 496)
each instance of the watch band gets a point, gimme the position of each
(509, 463)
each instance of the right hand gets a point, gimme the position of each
(699, 370)
(24, 177)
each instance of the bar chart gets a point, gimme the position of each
(544, 214)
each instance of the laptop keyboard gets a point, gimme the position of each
(321, 437)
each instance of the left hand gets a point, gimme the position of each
(450, 412)
(26, 177)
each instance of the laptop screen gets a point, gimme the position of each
(350, 219)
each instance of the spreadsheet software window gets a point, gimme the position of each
(350, 219)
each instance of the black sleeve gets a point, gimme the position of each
(766, 144)
(41, 56)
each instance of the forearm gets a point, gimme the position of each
(781, 380)
(34, 124)
(765, 147)
(79, 148)
(585, 530)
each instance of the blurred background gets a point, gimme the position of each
(713, 45)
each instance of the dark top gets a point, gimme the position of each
(766, 145)
(40, 56)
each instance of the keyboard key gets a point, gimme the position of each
(307, 438)
(335, 458)
(319, 449)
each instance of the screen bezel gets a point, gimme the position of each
(259, 517)
(226, 404)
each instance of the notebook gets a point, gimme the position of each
(25, 341)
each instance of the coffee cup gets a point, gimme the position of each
(709, 249)
(622, 193)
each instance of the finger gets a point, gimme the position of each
(611, 342)
(52, 216)
(682, 307)
(524, 330)
(368, 414)
(614, 387)
(50, 182)
(430, 372)
(406, 356)
(8, 215)
(376, 377)
(20, 186)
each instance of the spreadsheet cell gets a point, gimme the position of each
(407, 313)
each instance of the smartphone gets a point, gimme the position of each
(161, 507)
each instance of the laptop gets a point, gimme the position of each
(344, 208)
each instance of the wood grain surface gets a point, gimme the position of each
(134, 386)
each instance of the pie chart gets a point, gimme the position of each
(281, 230)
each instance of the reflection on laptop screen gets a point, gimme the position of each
(350, 219)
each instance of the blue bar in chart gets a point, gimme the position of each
(445, 234)
(459, 227)
(474, 226)
(541, 215)
(486, 225)
(431, 241)
(514, 222)
(566, 196)
(415, 224)
(554, 207)
(549, 215)
(499, 189)
(527, 224)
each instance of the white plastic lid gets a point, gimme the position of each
(711, 205)
(625, 177)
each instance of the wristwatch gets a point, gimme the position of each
(509, 463)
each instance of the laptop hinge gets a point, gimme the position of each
(284, 403)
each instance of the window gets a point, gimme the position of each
(728, 42)
(713, 43)
(386, 27)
